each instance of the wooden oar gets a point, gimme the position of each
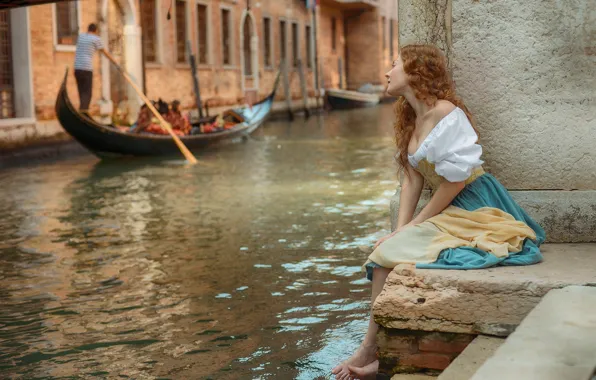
(187, 154)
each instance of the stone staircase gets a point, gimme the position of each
(557, 340)
(428, 317)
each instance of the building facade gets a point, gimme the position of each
(238, 45)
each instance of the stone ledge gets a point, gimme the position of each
(557, 340)
(489, 301)
(472, 358)
(567, 216)
(30, 134)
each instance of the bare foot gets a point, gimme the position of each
(363, 356)
(368, 372)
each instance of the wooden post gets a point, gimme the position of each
(303, 87)
(143, 66)
(316, 47)
(340, 72)
(322, 88)
(195, 78)
(287, 91)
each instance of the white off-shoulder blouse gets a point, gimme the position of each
(451, 148)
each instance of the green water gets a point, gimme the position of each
(245, 268)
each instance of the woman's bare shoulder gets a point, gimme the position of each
(443, 108)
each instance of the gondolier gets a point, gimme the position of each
(87, 44)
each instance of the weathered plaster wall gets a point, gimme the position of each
(527, 70)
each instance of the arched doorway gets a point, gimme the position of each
(119, 28)
(249, 57)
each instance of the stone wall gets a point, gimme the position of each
(416, 351)
(424, 21)
(527, 70)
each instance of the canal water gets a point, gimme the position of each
(245, 267)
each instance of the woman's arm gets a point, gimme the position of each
(411, 188)
(409, 196)
(445, 194)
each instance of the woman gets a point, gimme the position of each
(176, 120)
(471, 221)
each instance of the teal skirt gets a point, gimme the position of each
(485, 191)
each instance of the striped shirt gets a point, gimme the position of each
(87, 45)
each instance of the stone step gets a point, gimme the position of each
(488, 301)
(557, 340)
(468, 362)
(448, 308)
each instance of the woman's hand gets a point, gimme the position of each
(381, 240)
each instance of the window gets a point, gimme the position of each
(267, 41)
(295, 45)
(247, 34)
(226, 36)
(282, 39)
(307, 37)
(333, 33)
(202, 21)
(6, 74)
(391, 39)
(67, 22)
(148, 23)
(181, 31)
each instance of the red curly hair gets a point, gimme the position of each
(426, 68)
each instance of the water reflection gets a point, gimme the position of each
(247, 268)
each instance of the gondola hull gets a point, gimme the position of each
(106, 141)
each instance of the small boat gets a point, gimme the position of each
(344, 99)
(26, 3)
(108, 141)
(378, 89)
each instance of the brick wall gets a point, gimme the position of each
(223, 85)
(365, 53)
(328, 57)
(418, 351)
(293, 11)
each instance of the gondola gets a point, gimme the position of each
(344, 99)
(107, 141)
